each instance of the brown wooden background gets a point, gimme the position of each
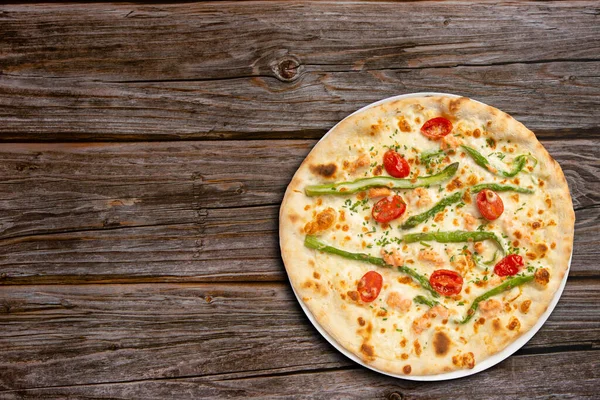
(144, 151)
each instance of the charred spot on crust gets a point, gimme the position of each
(441, 343)
(403, 125)
(525, 306)
(367, 350)
(326, 170)
(542, 276)
(542, 247)
(513, 324)
(407, 369)
(469, 360)
(417, 346)
(353, 294)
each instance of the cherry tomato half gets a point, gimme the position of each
(388, 208)
(509, 265)
(395, 165)
(490, 204)
(369, 286)
(446, 282)
(436, 128)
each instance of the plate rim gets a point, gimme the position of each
(485, 364)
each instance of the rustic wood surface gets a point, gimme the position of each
(144, 151)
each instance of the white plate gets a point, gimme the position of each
(485, 364)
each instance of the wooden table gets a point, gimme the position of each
(144, 152)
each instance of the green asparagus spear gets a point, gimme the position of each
(500, 188)
(424, 300)
(484, 264)
(429, 155)
(343, 188)
(519, 162)
(313, 242)
(506, 285)
(453, 237)
(443, 203)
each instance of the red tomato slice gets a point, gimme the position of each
(436, 128)
(446, 282)
(509, 265)
(388, 208)
(395, 165)
(490, 204)
(369, 286)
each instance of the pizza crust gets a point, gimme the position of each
(323, 281)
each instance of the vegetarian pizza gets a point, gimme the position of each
(427, 234)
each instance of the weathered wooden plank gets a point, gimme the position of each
(205, 211)
(555, 99)
(348, 36)
(47, 188)
(565, 375)
(89, 334)
(182, 74)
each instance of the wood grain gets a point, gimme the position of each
(512, 378)
(142, 269)
(182, 74)
(206, 211)
(91, 334)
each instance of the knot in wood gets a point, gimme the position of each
(395, 396)
(287, 69)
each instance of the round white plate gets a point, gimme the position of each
(485, 364)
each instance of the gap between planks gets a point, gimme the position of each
(302, 134)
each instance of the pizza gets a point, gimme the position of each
(426, 234)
